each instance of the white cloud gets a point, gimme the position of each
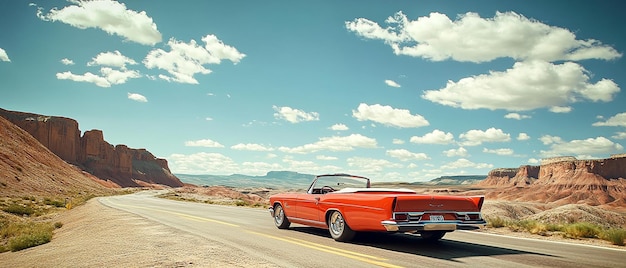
(184, 60)
(619, 136)
(118, 77)
(523, 136)
(501, 151)
(435, 137)
(462, 152)
(618, 120)
(137, 97)
(335, 143)
(339, 127)
(392, 83)
(368, 165)
(389, 116)
(67, 61)
(203, 163)
(305, 166)
(3, 55)
(476, 137)
(325, 158)
(208, 118)
(109, 16)
(560, 109)
(548, 139)
(397, 141)
(204, 143)
(472, 38)
(405, 155)
(516, 116)
(534, 161)
(294, 115)
(464, 163)
(113, 59)
(107, 78)
(87, 77)
(514, 90)
(251, 147)
(582, 148)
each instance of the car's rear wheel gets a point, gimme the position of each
(432, 236)
(280, 220)
(338, 228)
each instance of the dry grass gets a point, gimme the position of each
(567, 230)
(25, 221)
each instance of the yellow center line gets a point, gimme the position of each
(337, 251)
(328, 249)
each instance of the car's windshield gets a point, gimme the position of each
(331, 183)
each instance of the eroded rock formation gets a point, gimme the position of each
(564, 180)
(519, 177)
(119, 164)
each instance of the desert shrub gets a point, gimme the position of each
(257, 205)
(241, 203)
(527, 225)
(496, 222)
(582, 229)
(56, 203)
(614, 235)
(551, 227)
(19, 210)
(58, 225)
(22, 235)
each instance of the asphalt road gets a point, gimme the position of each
(252, 231)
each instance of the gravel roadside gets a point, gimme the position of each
(94, 235)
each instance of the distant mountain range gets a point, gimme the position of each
(273, 179)
(295, 180)
(454, 180)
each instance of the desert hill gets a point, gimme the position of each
(29, 168)
(124, 166)
(561, 181)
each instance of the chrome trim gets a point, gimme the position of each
(271, 209)
(414, 222)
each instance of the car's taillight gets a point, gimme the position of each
(401, 217)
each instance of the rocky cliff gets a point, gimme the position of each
(564, 180)
(518, 177)
(120, 164)
(27, 168)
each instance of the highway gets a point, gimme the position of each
(251, 230)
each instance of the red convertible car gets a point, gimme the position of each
(345, 204)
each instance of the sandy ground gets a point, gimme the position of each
(94, 235)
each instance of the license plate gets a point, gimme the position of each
(436, 217)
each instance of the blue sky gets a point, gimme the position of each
(393, 90)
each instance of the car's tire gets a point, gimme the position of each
(338, 227)
(432, 236)
(280, 219)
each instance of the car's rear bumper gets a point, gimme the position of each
(448, 226)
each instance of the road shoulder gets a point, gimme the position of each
(94, 235)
